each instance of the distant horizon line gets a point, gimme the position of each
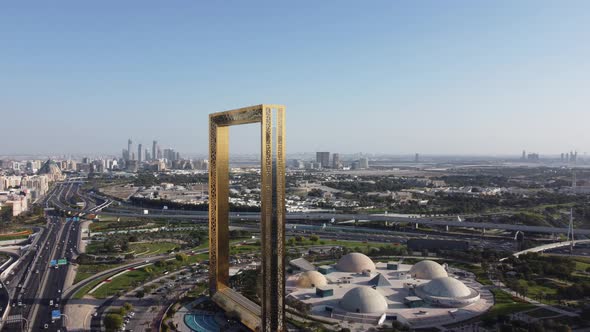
(311, 153)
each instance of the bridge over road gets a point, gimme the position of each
(549, 246)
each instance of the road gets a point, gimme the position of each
(36, 284)
(52, 282)
(92, 201)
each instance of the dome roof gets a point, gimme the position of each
(428, 269)
(310, 279)
(446, 287)
(355, 262)
(364, 300)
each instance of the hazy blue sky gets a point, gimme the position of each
(376, 76)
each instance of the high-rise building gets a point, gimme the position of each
(417, 158)
(139, 152)
(170, 154)
(323, 158)
(129, 147)
(336, 161)
(523, 155)
(147, 155)
(364, 163)
(154, 150)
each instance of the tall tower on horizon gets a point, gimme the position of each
(139, 152)
(335, 160)
(154, 150)
(323, 158)
(129, 151)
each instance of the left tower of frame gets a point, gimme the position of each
(270, 315)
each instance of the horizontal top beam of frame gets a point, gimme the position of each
(245, 115)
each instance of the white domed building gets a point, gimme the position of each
(355, 262)
(392, 290)
(364, 300)
(311, 279)
(447, 292)
(428, 270)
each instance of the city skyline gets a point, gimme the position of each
(452, 78)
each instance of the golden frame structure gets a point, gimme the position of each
(268, 317)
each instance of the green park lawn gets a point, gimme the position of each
(153, 248)
(123, 283)
(84, 290)
(506, 304)
(88, 270)
(541, 313)
(536, 290)
(114, 225)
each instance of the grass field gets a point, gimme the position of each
(87, 271)
(104, 226)
(123, 283)
(506, 304)
(541, 312)
(582, 264)
(153, 248)
(15, 235)
(86, 289)
(535, 291)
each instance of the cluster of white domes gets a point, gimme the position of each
(365, 300)
(311, 279)
(428, 270)
(355, 262)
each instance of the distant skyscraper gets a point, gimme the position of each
(139, 152)
(335, 161)
(129, 147)
(170, 154)
(158, 153)
(364, 163)
(147, 155)
(417, 158)
(155, 150)
(323, 158)
(523, 155)
(125, 155)
(562, 157)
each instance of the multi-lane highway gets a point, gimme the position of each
(52, 282)
(94, 203)
(37, 282)
(36, 288)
